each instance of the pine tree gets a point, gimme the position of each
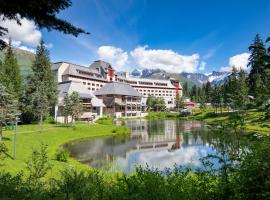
(11, 75)
(186, 90)
(257, 78)
(194, 93)
(208, 92)
(42, 88)
(242, 90)
(8, 108)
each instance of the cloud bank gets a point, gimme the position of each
(143, 57)
(168, 60)
(239, 61)
(26, 33)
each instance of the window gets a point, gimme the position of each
(84, 83)
(88, 84)
(93, 89)
(93, 84)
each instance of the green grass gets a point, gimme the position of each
(29, 137)
(161, 115)
(254, 119)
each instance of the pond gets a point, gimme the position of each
(158, 144)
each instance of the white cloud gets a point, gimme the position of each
(202, 66)
(164, 59)
(240, 61)
(27, 32)
(116, 56)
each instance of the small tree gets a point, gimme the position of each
(179, 102)
(76, 105)
(150, 102)
(67, 107)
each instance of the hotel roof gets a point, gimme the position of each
(68, 87)
(115, 88)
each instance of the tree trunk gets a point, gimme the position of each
(41, 120)
(1, 131)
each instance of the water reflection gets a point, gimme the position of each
(159, 144)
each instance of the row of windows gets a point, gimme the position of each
(160, 95)
(160, 91)
(93, 84)
(142, 82)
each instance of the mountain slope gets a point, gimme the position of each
(24, 58)
(192, 78)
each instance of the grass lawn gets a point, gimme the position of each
(255, 121)
(30, 137)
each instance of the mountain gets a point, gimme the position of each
(24, 58)
(192, 78)
(161, 74)
(197, 78)
(218, 77)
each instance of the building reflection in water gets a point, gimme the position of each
(157, 143)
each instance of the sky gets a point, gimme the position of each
(174, 35)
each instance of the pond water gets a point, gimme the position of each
(157, 144)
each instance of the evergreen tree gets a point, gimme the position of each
(208, 92)
(257, 78)
(185, 90)
(8, 108)
(194, 93)
(242, 90)
(11, 76)
(42, 88)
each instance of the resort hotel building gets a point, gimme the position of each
(104, 91)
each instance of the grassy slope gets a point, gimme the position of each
(29, 137)
(255, 121)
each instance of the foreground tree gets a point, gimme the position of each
(42, 88)
(8, 108)
(42, 12)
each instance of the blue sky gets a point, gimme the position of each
(182, 35)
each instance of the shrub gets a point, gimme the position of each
(3, 150)
(105, 121)
(62, 155)
(50, 120)
(121, 130)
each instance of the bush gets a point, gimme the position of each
(50, 120)
(105, 121)
(3, 150)
(162, 115)
(121, 130)
(62, 155)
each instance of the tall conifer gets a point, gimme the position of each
(42, 88)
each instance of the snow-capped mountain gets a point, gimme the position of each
(218, 77)
(194, 78)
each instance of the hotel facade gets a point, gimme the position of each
(99, 73)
